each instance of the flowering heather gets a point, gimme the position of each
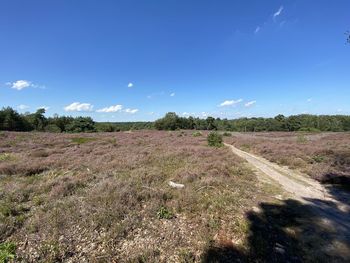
(97, 197)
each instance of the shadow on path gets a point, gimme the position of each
(292, 232)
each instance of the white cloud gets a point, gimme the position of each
(250, 103)
(257, 29)
(20, 84)
(279, 11)
(309, 100)
(22, 107)
(77, 106)
(130, 85)
(46, 108)
(131, 111)
(230, 102)
(172, 94)
(114, 108)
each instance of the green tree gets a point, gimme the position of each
(81, 124)
(169, 122)
(37, 119)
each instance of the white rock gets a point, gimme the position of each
(176, 185)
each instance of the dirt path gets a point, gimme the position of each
(332, 206)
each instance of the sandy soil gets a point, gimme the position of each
(331, 204)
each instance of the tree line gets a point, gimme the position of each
(302, 122)
(11, 120)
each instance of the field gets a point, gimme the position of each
(105, 197)
(323, 156)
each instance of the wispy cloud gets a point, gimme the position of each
(22, 107)
(130, 85)
(131, 111)
(250, 103)
(77, 106)
(230, 102)
(257, 29)
(114, 108)
(309, 100)
(172, 94)
(20, 84)
(279, 12)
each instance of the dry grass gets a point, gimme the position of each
(324, 156)
(99, 197)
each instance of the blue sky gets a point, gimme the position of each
(136, 60)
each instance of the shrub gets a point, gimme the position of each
(164, 213)
(196, 134)
(228, 134)
(214, 139)
(81, 140)
(7, 252)
(318, 158)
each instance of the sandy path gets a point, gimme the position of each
(329, 206)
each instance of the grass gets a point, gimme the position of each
(164, 213)
(6, 157)
(82, 140)
(7, 252)
(196, 134)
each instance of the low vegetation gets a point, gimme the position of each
(7, 252)
(215, 139)
(105, 197)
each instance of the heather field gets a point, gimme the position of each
(323, 156)
(104, 197)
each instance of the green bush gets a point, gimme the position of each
(81, 140)
(196, 134)
(214, 139)
(7, 252)
(82, 124)
(318, 158)
(164, 213)
(227, 134)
